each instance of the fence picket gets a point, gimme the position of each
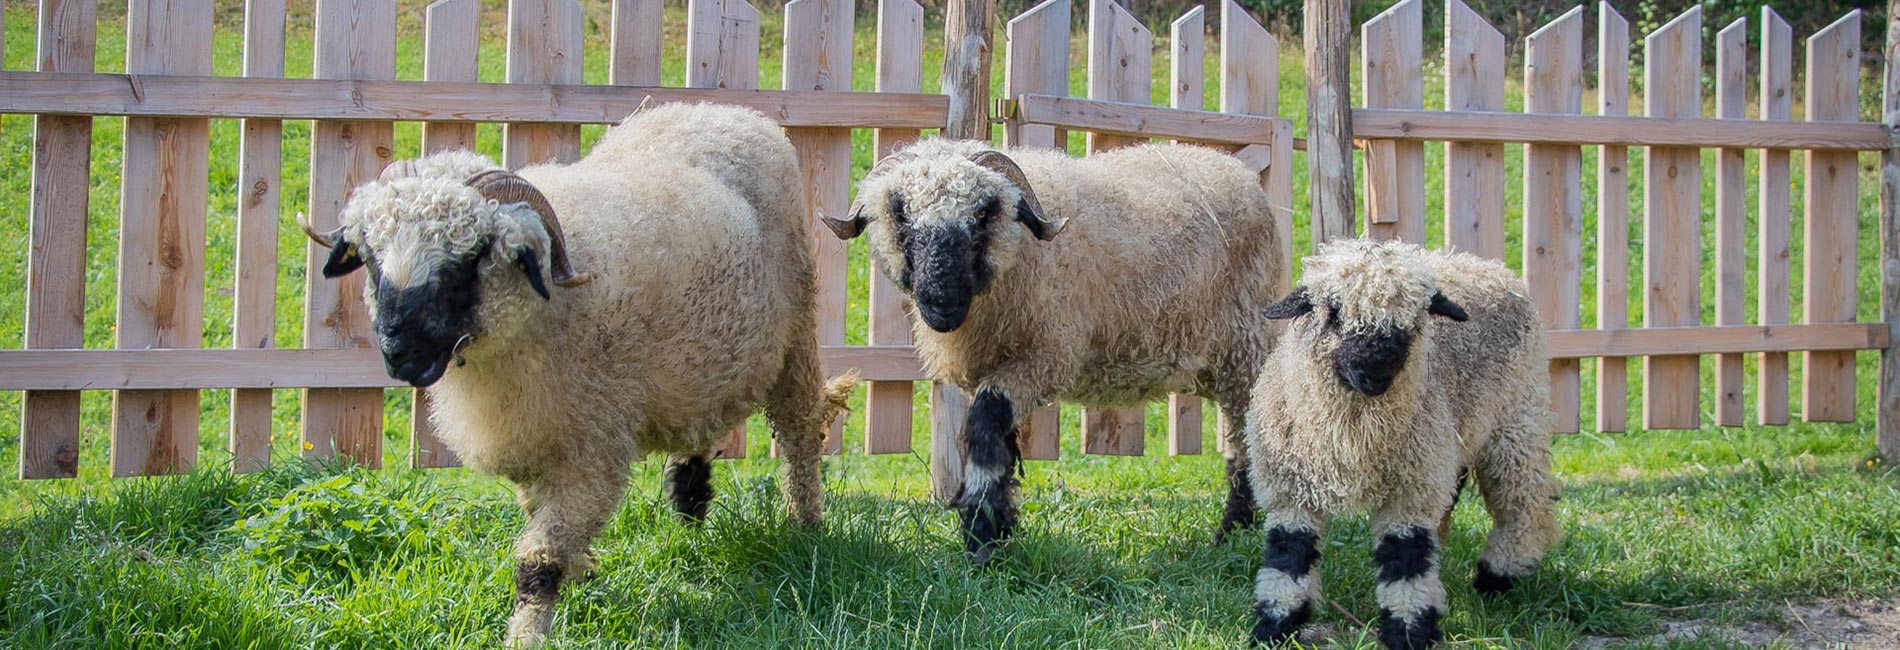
(1672, 217)
(1187, 70)
(1120, 53)
(355, 40)
(1474, 172)
(1831, 265)
(254, 314)
(56, 262)
(1773, 200)
(162, 238)
(818, 57)
(1553, 200)
(1394, 48)
(544, 46)
(637, 43)
(1731, 207)
(722, 51)
(451, 50)
(1036, 60)
(887, 404)
(1613, 209)
(1250, 84)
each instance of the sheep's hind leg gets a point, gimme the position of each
(1240, 511)
(796, 409)
(567, 506)
(1411, 595)
(987, 507)
(1520, 492)
(688, 484)
(1287, 585)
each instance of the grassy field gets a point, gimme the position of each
(1726, 527)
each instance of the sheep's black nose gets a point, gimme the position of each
(1371, 383)
(419, 365)
(943, 317)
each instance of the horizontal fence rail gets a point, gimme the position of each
(168, 97)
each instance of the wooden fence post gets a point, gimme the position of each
(254, 312)
(162, 238)
(1250, 84)
(637, 44)
(1672, 218)
(887, 404)
(1328, 40)
(1772, 205)
(1036, 60)
(355, 40)
(544, 47)
(1187, 71)
(1887, 414)
(56, 259)
(1394, 45)
(1832, 212)
(1474, 171)
(967, 25)
(818, 57)
(1120, 52)
(1613, 212)
(1553, 200)
(1731, 213)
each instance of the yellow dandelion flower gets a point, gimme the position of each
(307, 446)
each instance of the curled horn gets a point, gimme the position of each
(326, 241)
(853, 226)
(1029, 210)
(504, 187)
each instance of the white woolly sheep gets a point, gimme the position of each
(1376, 406)
(692, 222)
(1155, 285)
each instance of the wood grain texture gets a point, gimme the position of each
(1187, 71)
(1773, 239)
(354, 40)
(1887, 412)
(1692, 131)
(1672, 217)
(1553, 201)
(1394, 45)
(1121, 50)
(818, 38)
(1036, 60)
(1830, 264)
(1327, 42)
(1474, 172)
(948, 408)
(887, 404)
(56, 232)
(451, 52)
(1113, 431)
(544, 47)
(1724, 339)
(1613, 206)
(162, 239)
(1184, 425)
(1731, 213)
(1141, 121)
(637, 43)
(968, 26)
(1250, 84)
(260, 163)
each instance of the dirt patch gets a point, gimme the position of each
(1825, 624)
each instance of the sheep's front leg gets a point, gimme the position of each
(1411, 595)
(1240, 511)
(1520, 492)
(688, 484)
(987, 506)
(567, 506)
(1287, 586)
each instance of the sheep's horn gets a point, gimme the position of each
(997, 161)
(326, 241)
(848, 228)
(503, 186)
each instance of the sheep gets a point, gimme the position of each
(1165, 257)
(690, 222)
(1375, 405)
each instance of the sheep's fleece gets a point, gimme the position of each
(1470, 396)
(693, 222)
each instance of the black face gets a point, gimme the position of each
(944, 267)
(1369, 360)
(421, 324)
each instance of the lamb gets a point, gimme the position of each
(1375, 405)
(690, 222)
(1165, 257)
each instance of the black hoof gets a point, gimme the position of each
(988, 520)
(1417, 634)
(1491, 584)
(688, 484)
(1270, 629)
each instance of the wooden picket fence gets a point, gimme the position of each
(168, 95)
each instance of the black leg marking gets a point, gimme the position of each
(1491, 583)
(1404, 554)
(1240, 512)
(1416, 634)
(1269, 628)
(537, 583)
(1292, 552)
(688, 484)
(989, 512)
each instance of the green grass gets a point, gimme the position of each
(1728, 523)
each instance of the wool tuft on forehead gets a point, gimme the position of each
(1374, 284)
(939, 185)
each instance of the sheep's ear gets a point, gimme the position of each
(1443, 306)
(530, 264)
(1294, 305)
(343, 259)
